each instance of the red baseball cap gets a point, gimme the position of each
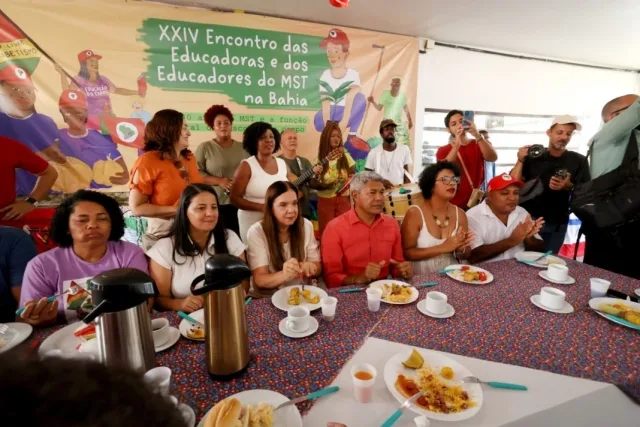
(15, 75)
(86, 54)
(336, 36)
(72, 98)
(502, 181)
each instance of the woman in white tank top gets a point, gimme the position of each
(255, 174)
(435, 232)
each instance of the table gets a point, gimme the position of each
(496, 322)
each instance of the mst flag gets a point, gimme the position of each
(15, 46)
(127, 132)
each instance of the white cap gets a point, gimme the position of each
(565, 120)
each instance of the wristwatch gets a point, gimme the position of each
(31, 200)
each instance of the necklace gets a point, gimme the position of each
(390, 162)
(439, 223)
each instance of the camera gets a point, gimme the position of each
(535, 151)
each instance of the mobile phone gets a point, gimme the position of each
(467, 116)
(561, 173)
(617, 294)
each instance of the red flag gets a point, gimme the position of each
(124, 131)
(15, 46)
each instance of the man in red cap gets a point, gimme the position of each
(500, 227)
(20, 121)
(87, 145)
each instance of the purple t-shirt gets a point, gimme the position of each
(97, 93)
(54, 271)
(89, 149)
(38, 132)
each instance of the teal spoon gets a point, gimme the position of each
(495, 384)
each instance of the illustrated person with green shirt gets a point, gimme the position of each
(393, 104)
(297, 165)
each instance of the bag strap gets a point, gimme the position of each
(466, 172)
(575, 250)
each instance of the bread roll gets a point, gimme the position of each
(225, 413)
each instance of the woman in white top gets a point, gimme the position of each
(435, 232)
(179, 257)
(282, 247)
(256, 174)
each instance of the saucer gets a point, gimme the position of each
(568, 308)
(313, 327)
(570, 280)
(422, 308)
(174, 336)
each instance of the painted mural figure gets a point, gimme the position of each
(394, 105)
(20, 121)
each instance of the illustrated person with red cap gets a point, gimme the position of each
(500, 227)
(87, 145)
(20, 121)
(96, 86)
(340, 91)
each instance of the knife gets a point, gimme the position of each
(344, 291)
(451, 270)
(393, 418)
(543, 255)
(313, 395)
(188, 318)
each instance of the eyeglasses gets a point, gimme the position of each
(183, 172)
(448, 180)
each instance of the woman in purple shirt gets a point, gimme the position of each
(88, 226)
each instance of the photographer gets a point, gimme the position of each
(550, 175)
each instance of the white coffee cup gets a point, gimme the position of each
(158, 379)
(160, 331)
(436, 302)
(599, 287)
(558, 272)
(298, 319)
(552, 298)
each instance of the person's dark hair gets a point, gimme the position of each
(427, 179)
(79, 393)
(270, 227)
(84, 71)
(450, 114)
(215, 111)
(179, 231)
(162, 133)
(252, 134)
(60, 222)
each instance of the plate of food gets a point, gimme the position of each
(191, 331)
(75, 340)
(469, 274)
(626, 313)
(18, 332)
(292, 296)
(396, 292)
(446, 397)
(252, 408)
(528, 257)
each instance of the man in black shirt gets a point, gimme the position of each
(559, 171)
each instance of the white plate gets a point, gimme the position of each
(394, 367)
(570, 280)
(289, 416)
(543, 263)
(595, 303)
(21, 332)
(380, 285)
(280, 298)
(457, 275)
(185, 325)
(535, 299)
(174, 336)
(422, 308)
(313, 327)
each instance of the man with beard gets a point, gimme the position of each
(558, 170)
(390, 160)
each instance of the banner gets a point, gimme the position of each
(79, 80)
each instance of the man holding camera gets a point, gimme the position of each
(550, 175)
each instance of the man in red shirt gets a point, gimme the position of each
(17, 156)
(469, 154)
(362, 245)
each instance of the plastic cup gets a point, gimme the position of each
(328, 305)
(599, 287)
(374, 295)
(363, 388)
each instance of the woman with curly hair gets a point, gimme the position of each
(88, 227)
(219, 158)
(257, 173)
(162, 172)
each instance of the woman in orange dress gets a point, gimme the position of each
(161, 173)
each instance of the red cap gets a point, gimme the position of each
(15, 75)
(336, 36)
(502, 181)
(87, 54)
(72, 98)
